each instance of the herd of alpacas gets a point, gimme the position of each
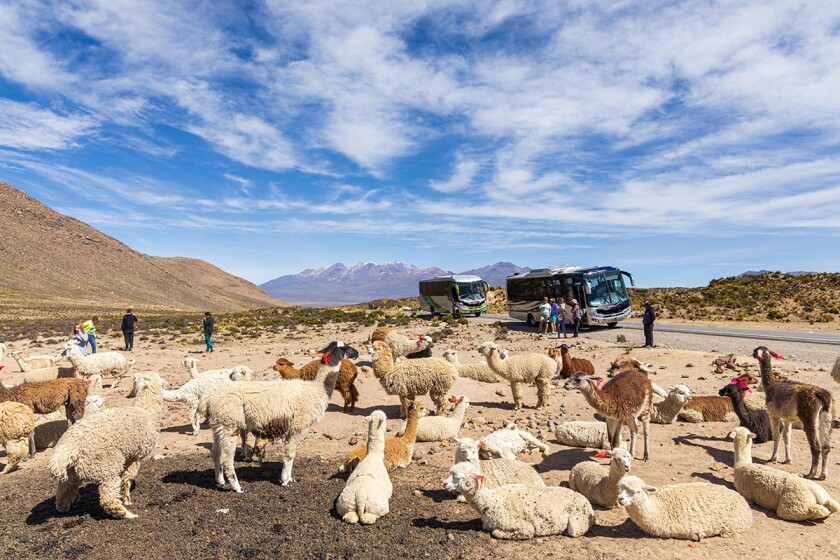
(63, 408)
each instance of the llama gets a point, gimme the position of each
(788, 401)
(624, 399)
(568, 366)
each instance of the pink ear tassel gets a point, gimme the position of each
(777, 356)
(598, 382)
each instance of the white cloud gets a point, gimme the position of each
(462, 178)
(26, 126)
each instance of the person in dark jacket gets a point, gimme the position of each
(647, 322)
(127, 328)
(208, 324)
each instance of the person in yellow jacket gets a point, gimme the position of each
(89, 328)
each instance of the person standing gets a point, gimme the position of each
(647, 321)
(576, 316)
(545, 313)
(561, 316)
(127, 329)
(209, 323)
(552, 322)
(89, 328)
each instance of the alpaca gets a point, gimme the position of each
(401, 345)
(624, 399)
(398, 450)
(534, 368)
(788, 401)
(33, 362)
(48, 396)
(107, 449)
(568, 366)
(103, 364)
(17, 422)
(757, 422)
(344, 384)
(410, 378)
(368, 490)
(600, 485)
(279, 409)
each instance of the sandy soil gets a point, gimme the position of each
(179, 507)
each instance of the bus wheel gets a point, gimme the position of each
(612, 325)
(532, 320)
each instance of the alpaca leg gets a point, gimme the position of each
(215, 452)
(775, 428)
(350, 517)
(354, 397)
(440, 403)
(646, 426)
(128, 476)
(786, 429)
(67, 490)
(516, 391)
(825, 432)
(633, 425)
(812, 427)
(289, 452)
(227, 450)
(542, 393)
(196, 424)
(31, 445)
(109, 499)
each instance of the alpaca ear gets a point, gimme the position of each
(730, 435)
(480, 479)
(753, 436)
(480, 444)
(649, 489)
(453, 398)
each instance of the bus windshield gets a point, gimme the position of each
(606, 289)
(471, 291)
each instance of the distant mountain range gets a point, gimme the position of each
(339, 284)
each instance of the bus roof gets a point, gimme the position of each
(562, 269)
(455, 278)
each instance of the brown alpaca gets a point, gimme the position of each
(343, 384)
(626, 362)
(398, 450)
(44, 397)
(567, 365)
(624, 399)
(379, 334)
(788, 401)
(708, 408)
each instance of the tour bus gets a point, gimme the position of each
(601, 293)
(459, 294)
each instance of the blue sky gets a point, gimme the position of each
(682, 141)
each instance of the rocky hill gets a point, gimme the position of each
(340, 285)
(52, 262)
(772, 296)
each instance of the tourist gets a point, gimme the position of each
(89, 328)
(208, 324)
(576, 316)
(561, 317)
(127, 329)
(545, 313)
(647, 321)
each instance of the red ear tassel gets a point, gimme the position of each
(326, 358)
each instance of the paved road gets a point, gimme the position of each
(786, 336)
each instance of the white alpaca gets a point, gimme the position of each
(600, 485)
(684, 511)
(50, 427)
(534, 368)
(578, 433)
(368, 490)
(498, 472)
(33, 362)
(441, 428)
(104, 364)
(107, 449)
(509, 441)
(517, 511)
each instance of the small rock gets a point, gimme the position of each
(418, 493)
(662, 367)
(684, 376)
(353, 440)
(500, 393)
(689, 365)
(701, 379)
(171, 445)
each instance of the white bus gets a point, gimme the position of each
(459, 294)
(601, 293)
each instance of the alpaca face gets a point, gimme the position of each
(461, 478)
(632, 487)
(578, 381)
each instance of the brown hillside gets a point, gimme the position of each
(51, 261)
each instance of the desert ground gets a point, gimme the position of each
(182, 514)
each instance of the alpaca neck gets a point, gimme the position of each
(376, 440)
(458, 413)
(496, 363)
(411, 424)
(766, 369)
(743, 453)
(568, 366)
(193, 370)
(150, 399)
(327, 375)
(670, 408)
(593, 396)
(383, 364)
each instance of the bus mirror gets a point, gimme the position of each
(630, 276)
(487, 287)
(587, 288)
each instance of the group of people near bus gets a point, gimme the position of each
(553, 313)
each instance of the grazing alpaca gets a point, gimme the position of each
(568, 366)
(788, 401)
(624, 399)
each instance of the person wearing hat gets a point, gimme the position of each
(576, 316)
(647, 321)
